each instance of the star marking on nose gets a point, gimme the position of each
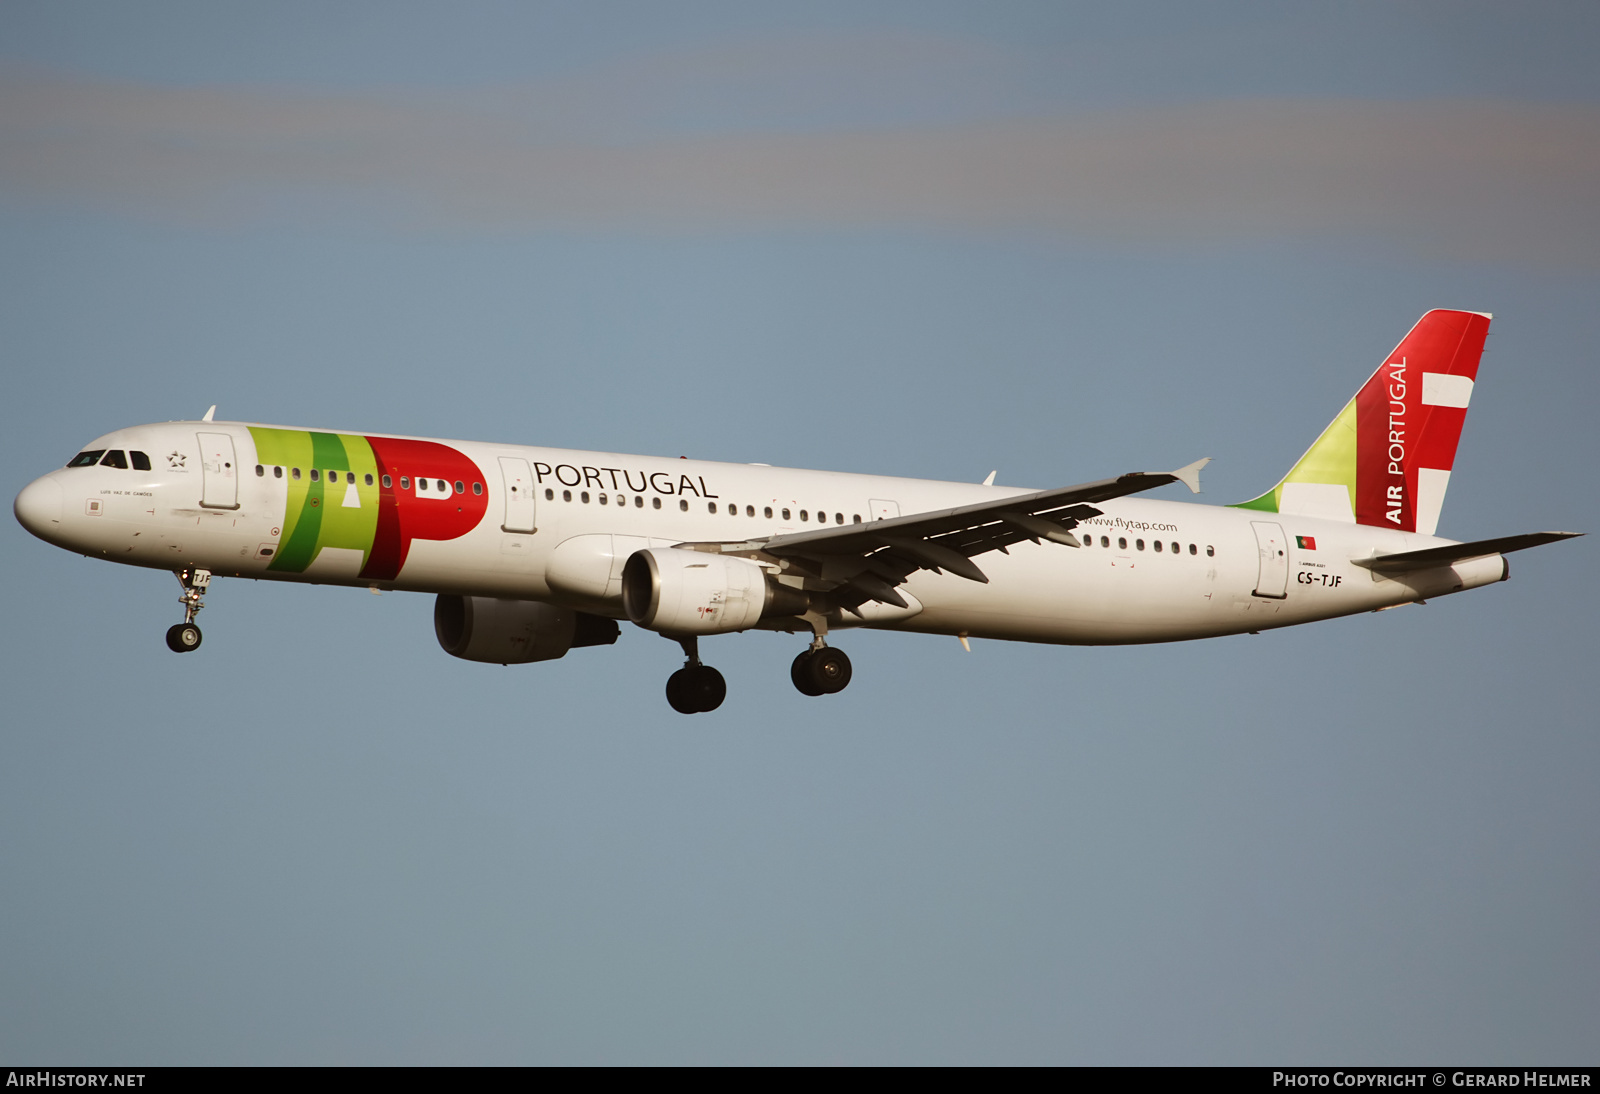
(175, 460)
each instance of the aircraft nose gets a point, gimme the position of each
(38, 507)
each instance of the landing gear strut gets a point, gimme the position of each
(695, 688)
(820, 670)
(185, 636)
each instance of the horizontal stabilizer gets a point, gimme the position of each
(1459, 552)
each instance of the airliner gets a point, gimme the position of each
(532, 552)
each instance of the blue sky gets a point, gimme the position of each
(916, 239)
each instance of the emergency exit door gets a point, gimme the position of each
(517, 480)
(1273, 580)
(219, 473)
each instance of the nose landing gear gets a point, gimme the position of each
(185, 636)
(695, 688)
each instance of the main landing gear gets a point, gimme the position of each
(185, 636)
(695, 688)
(820, 670)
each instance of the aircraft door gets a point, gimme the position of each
(1273, 581)
(219, 472)
(517, 479)
(884, 510)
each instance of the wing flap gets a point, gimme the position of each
(1064, 506)
(855, 563)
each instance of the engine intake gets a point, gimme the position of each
(514, 632)
(695, 592)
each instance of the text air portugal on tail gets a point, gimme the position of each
(1385, 460)
(534, 551)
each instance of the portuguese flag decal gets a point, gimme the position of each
(1306, 543)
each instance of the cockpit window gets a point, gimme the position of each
(141, 462)
(115, 458)
(87, 459)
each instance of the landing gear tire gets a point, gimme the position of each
(800, 674)
(822, 671)
(183, 637)
(696, 689)
(829, 670)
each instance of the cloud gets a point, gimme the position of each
(1473, 180)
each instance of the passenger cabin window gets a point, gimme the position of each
(1122, 543)
(141, 462)
(1105, 541)
(1158, 545)
(838, 518)
(566, 495)
(604, 500)
(584, 497)
(294, 473)
(1210, 550)
(261, 472)
(405, 481)
(477, 487)
(683, 505)
(549, 494)
(767, 512)
(1192, 550)
(367, 479)
(315, 475)
(733, 510)
(277, 471)
(656, 502)
(115, 458)
(388, 483)
(1139, 543)
(461, 487)
(442, 485)
(855, 518)
(802, 514)
(1175, 548)
(786, 514)
(638, 502)
(87, 459)
(711, 507)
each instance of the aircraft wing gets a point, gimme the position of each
(1458, 552)
(861, 562)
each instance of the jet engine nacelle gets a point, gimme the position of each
(514, 632)
(695, 592)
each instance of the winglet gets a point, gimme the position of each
(1190, 475)
(210, 413)
(990, 480)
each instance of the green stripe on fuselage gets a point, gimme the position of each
(329, 512)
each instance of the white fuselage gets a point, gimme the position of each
(1218, 570)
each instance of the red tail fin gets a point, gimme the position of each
(1409, 417)
(1386, 459)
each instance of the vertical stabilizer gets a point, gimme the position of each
(1386, 459)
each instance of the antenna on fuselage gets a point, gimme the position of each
(210, 413)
